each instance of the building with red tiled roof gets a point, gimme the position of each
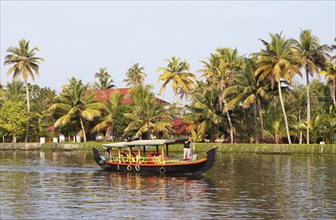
(179, 126)
(103, 95)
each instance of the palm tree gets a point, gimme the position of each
(25, 64)
(105, 81)
(277, 61)
(178, 74)
(15, 91)
(297, 102)
(330, 74)
(313, 58)
(248, 91)
(148, 117)
(204, 113)
(135, 75)
(73, 104)
(111, 108)
(219, 71)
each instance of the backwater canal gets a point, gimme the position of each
(69, 185)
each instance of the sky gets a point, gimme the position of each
(76, 38)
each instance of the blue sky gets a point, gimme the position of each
(76, 38)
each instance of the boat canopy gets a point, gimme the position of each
(149, 142)
(138, 143)
(115, 145)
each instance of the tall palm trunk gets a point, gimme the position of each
(301, 133)
(284, 113)
(83, 129)
(28, 111)
(213, 134)
(308, 104)
(230, 122)
(255, 122)
(261, 120)
(332, 92)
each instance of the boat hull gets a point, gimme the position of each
(193, 167)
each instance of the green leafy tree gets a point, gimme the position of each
(75, 105)
(219, 71)
(41, 119)
(2, 95)
(297, 101)
(330, 74)
(25, 64)
(148, 118)
(135, 75)
(247, 90)
(204, 112)
(313, 58)
(278, 61)
(15, 91)
(111, 108)
(105, 80)
(13, 118)
(178, 73)
(121, 123)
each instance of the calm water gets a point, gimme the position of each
(68, 185)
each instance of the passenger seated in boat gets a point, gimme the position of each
(107, 155)
(133, 157)
(123, 157)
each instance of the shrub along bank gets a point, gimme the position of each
(199, 147)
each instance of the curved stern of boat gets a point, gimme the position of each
(211, 159)
(96, 156)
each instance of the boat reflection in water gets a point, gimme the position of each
(146, 189)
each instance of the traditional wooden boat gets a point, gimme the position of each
(138, 157)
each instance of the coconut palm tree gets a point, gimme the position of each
(275, 62)
(297, 102)
(313, 58)
(15, 91)
(177, 72)
(148, 118)
(105, 81)
(204, 113)
(135, 75)
(247, 90)
(73, 104)
(219, 71)
(25, 64)
(111, 107)
(330, 74)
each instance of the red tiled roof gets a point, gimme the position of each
(51, 128)
(103, 95)
(179, 127)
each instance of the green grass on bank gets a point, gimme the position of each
(222, 147)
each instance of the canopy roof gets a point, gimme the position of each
(138, 143)
(115, 145)
(149, 142)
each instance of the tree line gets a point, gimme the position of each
(236, 99)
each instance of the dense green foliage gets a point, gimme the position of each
(13, 118)
(237, 99)
(24, 63)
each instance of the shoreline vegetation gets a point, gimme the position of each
(251, 98)
(313, 149)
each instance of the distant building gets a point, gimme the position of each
(179, 127)
(104, 95)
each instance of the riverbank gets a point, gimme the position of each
(200, 147)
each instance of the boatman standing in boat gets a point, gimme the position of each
(186, 150)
